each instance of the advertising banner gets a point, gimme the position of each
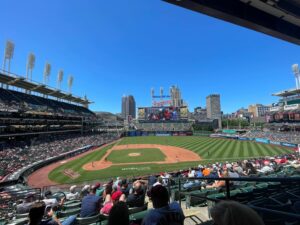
(243, 139)
(262, 140)
(162, 135)
(275, 143)
(286, 144)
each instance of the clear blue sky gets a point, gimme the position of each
(128, 46)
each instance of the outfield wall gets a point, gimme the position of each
(157, 133)
(259, 140)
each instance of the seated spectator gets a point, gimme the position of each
(36, 213)
(233, 174)
(90, 205)
(99, 189)
(151, 181)
(119, 214)
(234, 213)
(73, 193)
(26, 205)
(218, 183)
(116, 196)
(163, 212)
(137, 198)
(199, 173)
(206, 172)
(116, 184)
(50, 201)
(125, 187)
(55, 221)
(85, 191)
(249, 169)
(107, 193)
(267, 168)
(159, 181)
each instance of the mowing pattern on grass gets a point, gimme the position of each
(213, 148)
(146, 155)
(219, 150)
(76, 165)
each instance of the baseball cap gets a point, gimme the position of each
(116, 195)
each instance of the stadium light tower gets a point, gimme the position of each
(8, 54)
(295, 68)
(152, 92)
(70, 83)
(60, 77)
(30, 66)
(161, 90)
(47, 71)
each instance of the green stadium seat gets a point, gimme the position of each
(88, 220)
(20, 221)
(71, 212)
(71, 202)
(138, 217)
(19, 216)
(71, 206)
(138, 209)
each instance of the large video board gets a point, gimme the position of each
(168, 113)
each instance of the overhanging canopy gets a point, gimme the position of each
(278, 18)
(21, 82)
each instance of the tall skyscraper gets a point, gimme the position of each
(176, 96)
(128, 106)
(213, 107)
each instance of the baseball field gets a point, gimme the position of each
(135, 156)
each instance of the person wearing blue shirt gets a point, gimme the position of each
(91, 203)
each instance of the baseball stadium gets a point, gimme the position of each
(137, 156)
(62, 163)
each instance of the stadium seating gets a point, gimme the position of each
(17, 101)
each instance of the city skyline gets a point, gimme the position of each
(111, 51)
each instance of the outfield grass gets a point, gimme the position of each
(209, 149)
(146, 155)
(212, 148)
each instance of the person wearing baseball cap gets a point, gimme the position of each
(163, 212)
(115, 197)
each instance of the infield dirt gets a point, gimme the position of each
(173, 155)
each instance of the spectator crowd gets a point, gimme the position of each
(291, 137)
(17, 154)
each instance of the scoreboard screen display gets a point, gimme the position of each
(166, 113)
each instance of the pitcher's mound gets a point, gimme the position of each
(134, 154)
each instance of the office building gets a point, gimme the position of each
(213, 108)
(128, 107)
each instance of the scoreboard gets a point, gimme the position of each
(164, 113)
